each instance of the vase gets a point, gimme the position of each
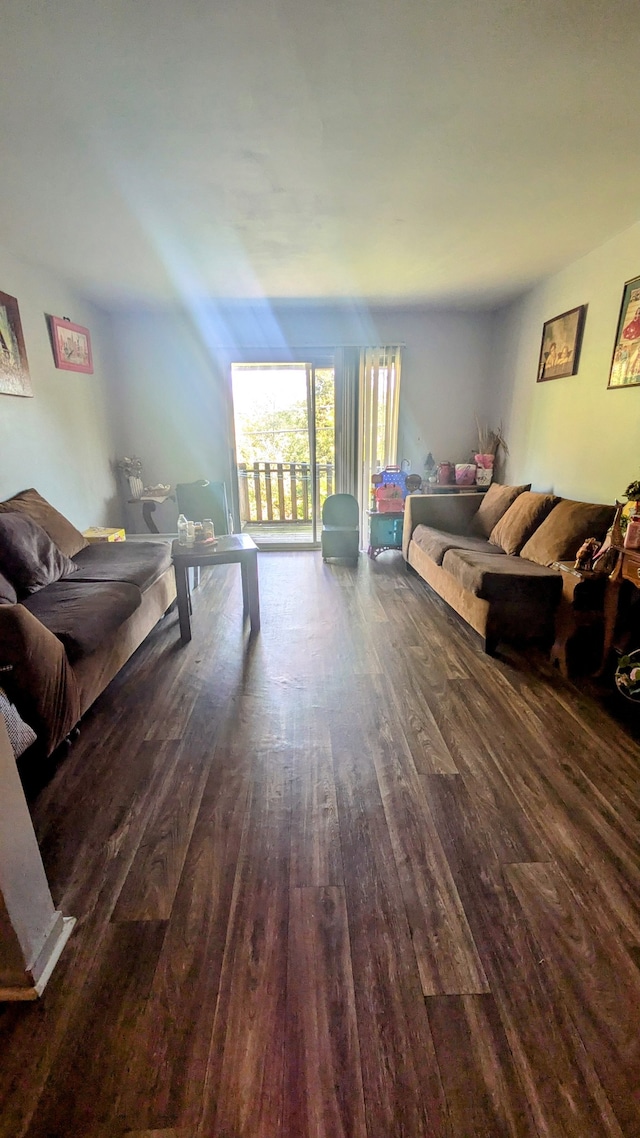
(465, 473)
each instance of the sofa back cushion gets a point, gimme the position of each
(495, 503)
(28, 557)
(61, 531)
(521, 519)
(564, 530)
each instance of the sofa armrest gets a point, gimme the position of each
(449, 512)
(40, 680)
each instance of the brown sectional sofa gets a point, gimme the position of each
(63, 641)
(457, 543)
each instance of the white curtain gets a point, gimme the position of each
(379, 402)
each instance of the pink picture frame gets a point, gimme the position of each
(71, 345)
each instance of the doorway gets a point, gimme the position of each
(284, 421)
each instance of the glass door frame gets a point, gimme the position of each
(311, 359)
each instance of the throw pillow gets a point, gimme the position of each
(495, 503)
(8, 595)
(28, 556)
(68, 539)
(564, 530)
(21, 735)
(521, 519)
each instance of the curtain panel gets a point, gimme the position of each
(347, 392)
(379, 403)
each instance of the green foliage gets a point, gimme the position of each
(282, 436)
(632, 493)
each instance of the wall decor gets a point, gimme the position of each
(625, 362)
(71, 345)
(561, 343)
(14, 368)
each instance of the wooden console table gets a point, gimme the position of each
(627, 569)
(453, 488)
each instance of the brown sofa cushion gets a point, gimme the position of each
(82, 613)
(523, 517)
(28, 556)
(68, 539)
(435, 543)
(495, 503)
(564, 530)
(8, 595)
(137, 562)
(506, 579)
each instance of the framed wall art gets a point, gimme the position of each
(14, 368)
(625, 362)
(71, 345)
(561, 343)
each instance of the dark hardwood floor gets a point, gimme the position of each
(352, 879)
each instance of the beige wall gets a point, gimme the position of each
(172, 375)
(572, 435)
(59, 441)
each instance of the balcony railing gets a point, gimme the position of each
(281, 492)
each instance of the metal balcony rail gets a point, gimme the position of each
(281, 492)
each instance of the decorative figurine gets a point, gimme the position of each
(586, 553)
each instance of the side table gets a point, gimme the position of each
(385, 532)
(233, 548)
(149, 504)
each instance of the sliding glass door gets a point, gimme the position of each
(284, 421)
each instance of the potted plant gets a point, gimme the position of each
(632, 494)
(131, 469)
(489, 442)
(628, 675)
(626, 510)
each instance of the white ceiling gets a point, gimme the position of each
(399, 150)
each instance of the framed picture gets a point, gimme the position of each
(561, 343)
(14, 369)
(625, 362)
(71, 345)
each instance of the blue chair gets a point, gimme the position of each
(340, 528)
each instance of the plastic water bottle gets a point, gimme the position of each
(191, 533)
(182, 529)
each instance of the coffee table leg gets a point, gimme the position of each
(250, 591)
(245, 586)
(182, 589)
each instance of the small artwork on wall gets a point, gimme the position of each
(71, 345)
(561, 343)
(625, 364)
(14, 369)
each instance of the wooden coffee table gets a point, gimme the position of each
(231, 549)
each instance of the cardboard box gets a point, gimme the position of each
(102, 533)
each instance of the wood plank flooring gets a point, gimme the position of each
(348, 879)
